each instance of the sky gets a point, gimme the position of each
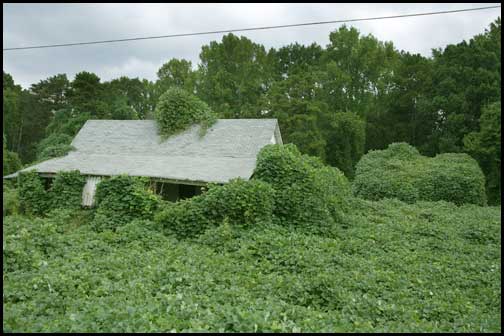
(40, 24)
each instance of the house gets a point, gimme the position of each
(178, 167)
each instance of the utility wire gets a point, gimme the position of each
(249, 29)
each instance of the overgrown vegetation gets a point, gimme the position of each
(292, 249)
(177, 110)
(244, 203)
(337, 101)
(32, 195)
(66, 190)
(120, 199)
(401, 172)
(55, 145)
(305, 191)
(425, 267)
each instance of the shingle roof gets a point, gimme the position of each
(111, 147)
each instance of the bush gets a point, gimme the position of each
(401, 172)
(32, 195)
(244, 203)
(66, 191)
(178, 109)
(306, 192)
(10, 201)
(12, 163)
(452, 177)
(186, 218)
(55, 145)
(122, 198)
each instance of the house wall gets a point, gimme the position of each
(88, 193)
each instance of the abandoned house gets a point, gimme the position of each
(177, 167)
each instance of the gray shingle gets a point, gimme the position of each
(112, 147)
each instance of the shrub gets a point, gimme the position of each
(120, 199)
(244, 203)
(12, 163)
(452, 177)
(186, 218)
(55, 145)
(401, 172)
(32, 195)
(66, 191)
(306, 192)
(11, 160)
(178, 109)
(10, 201)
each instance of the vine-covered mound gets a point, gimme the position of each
(401, 172)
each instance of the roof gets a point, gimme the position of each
(112, 147)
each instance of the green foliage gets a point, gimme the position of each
(11, 163)
(233, 74)
(32, 195)
(186, 218)
(426, 267)
(243, 203)
(306, 192)
(346, 141)
(55, 145)
(485, 146)
(401, 172)
(64, 193)
(122, 198)
(176, 73)
(10, 201)
(177, 110)
(65, 121)
(66, 190)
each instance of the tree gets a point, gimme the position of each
(345, 141)
(295, 58)
(357, 70)
(52, 92)
(295, 102)
(397, 116)
(177, 73)
(485, 146)
(233, 75)
(466, 78)
(86, 93)
(135, 93)
(11, 161)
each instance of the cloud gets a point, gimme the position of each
(35, 24)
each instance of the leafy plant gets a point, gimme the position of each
(122, 198)
(306, 191)
(32, 195)
(401, 172)
(396, 267)
(10, 201)
(177, 110)
(66, 190)
(55, 145)
(243, 203)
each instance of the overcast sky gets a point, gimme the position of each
(38, 24)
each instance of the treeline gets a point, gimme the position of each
(337, 102)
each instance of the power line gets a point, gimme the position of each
(249, 29)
